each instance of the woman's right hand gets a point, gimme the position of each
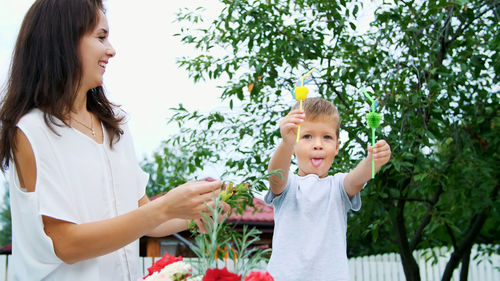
(189, 200)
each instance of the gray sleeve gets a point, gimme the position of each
(353, 203)
(271, 199)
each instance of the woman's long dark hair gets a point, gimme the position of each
(46, 70)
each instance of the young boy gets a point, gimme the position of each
(310, 207)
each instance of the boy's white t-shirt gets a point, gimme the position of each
(309, 240)
(78, 181)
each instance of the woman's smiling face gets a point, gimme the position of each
(95, 51)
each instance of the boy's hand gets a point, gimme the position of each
(289, 124)
(355, 179)
(381, 152)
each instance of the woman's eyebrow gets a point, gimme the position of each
(103, 30)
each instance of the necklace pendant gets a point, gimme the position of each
(93, 133)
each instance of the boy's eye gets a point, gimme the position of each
(328, 137)
(307, 137)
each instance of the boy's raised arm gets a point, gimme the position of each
(282, 157)
(355, 179)
(280, 160)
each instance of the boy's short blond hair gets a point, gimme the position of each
(319, 108)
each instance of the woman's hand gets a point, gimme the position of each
(189, 200)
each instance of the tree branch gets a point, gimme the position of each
(471, 233)
(464, 26)
(410, 266)
(464, 270)
(427, 219)
(435, 198)
(329, 85)
(452, 236)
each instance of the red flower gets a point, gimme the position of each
(215, 274)
(161, 263)
(259, 276)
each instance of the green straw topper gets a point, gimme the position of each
(373, 120)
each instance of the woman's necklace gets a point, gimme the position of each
(91, 128)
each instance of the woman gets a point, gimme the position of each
(77, 193)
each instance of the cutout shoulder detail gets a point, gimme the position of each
(24, 160)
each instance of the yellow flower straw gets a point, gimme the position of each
(301, 94)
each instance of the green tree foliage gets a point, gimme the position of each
(432, 64)
(167, 169)
(5, 220)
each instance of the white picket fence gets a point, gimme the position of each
(385, 267)
(388, 267)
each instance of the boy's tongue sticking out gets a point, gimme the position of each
(316, 162)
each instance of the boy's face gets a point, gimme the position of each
(317, 147)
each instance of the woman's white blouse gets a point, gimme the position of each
(79, 181)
